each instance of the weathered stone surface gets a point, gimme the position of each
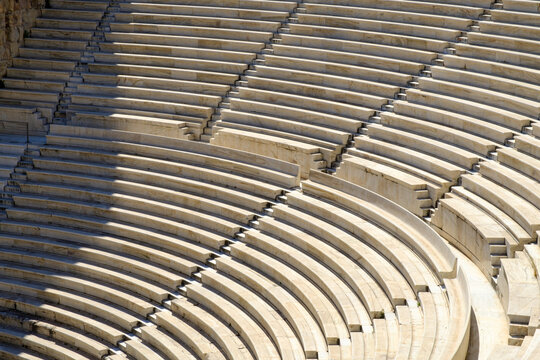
(16, 17)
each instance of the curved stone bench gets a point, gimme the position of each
(314, 299)
(351, 22)
(367, 48)
(331, 81)
(230, 343)
(292, 309)
(337, 69)
(416, 18)
(188, 334)
(344, 57)
(93, 265)
(38, 345)
(250, 303)
(197, 31)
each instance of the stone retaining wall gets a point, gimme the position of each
(16, 17)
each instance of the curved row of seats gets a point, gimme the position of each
(341, 62)
(128, 239)
(99, 239)
(163, 67)
(50, 54)
(152, 255)
(461, 114)
(471, 123)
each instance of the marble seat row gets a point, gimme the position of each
(168, 280)
(153, 47)
(348, 58)
(42, 69)
(270, 285)
(493, 217)
(112, 267)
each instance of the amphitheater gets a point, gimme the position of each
(270, 179)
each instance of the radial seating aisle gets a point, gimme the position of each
(164, 67)
(112, 224)
(43, 68)
(442, 129)
(178, 209)
(340, 62)
(368, 216)
(492, 217)
(317, 310)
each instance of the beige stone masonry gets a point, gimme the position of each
(88, 258)
(495, 83)
(517, 17)
(139, 350)
(514, 30)
(446, 8)
(518, 289)
(203, 21)
(378, 62)
(251, 14)
(252, 304)
(308, 116)
(164, 74)
(390, 15)
(401, 187)
(299, 101)
(522, 211)
(229, 342)
(169, 346)
(521, 5)
(499, 55)
(336, 69)
(293, 310)
(251, 332)
(185, 41)
(518, 234)
(466, 124)
(39, 344)
(317, 91)
(359, 47)
(189, 335)
(529, 145)
(320, 306)
(504, 42)
(177, 51)
(432, 147)
(380, 26)
(433, 130)
(197, 31)
(171, 62)
(305, 155)
(321, 79)
(469, 108)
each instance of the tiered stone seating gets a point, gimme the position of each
(502, 201)
(497, 67)
(132, 251)
(289, 247)
(18, 120)
(519, 290)
(321, 195)
(413, 168)
(127, 238)
(453, 120)
(10, 154)
(50, 54)
(342, 58)
(492, 217)
(197, 49)
(52, 336)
